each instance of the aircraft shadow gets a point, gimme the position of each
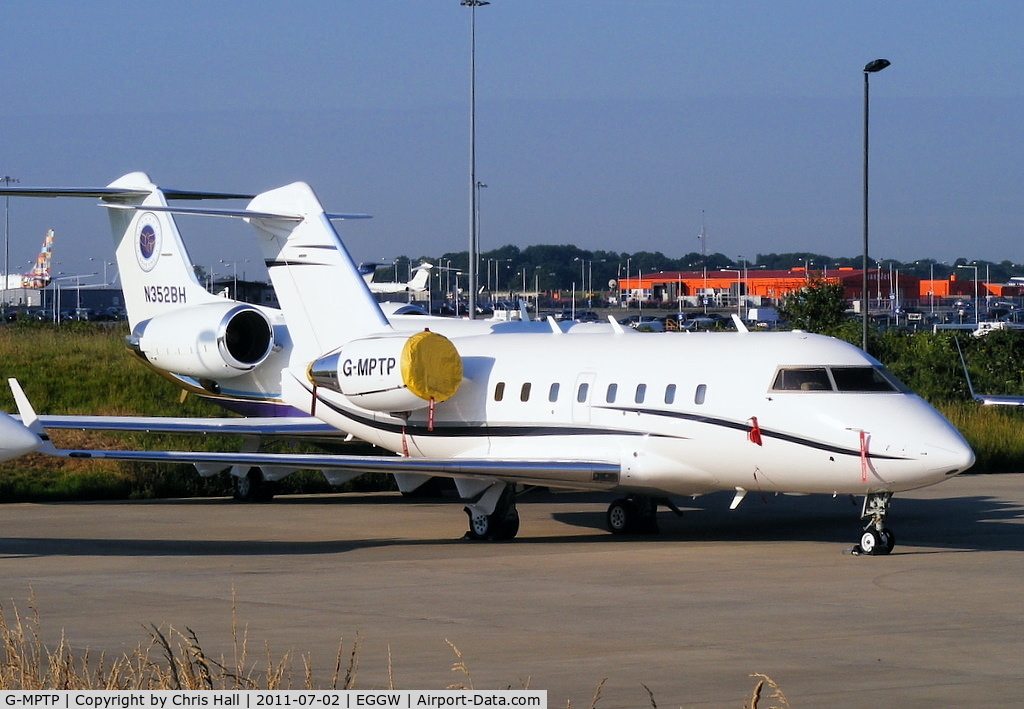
(980, 523)
(26, 547)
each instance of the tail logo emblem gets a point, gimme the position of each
(147, 242)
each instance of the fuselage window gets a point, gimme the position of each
(524, 392)
(581, 394)
(670, 394)
(641, 393)
(700, 394)
(499, 391)
(553, 393)
(609, 395)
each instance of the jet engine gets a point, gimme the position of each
(392, 373)
(210, 342)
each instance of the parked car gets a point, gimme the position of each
(644, 323)
(708, 321)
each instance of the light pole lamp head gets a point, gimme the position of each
(876, 65)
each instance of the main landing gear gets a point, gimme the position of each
(876, 539)
(253, 487)
(494, 516)
(633, 515)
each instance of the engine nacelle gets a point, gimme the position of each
(392, 373)
(211, 341)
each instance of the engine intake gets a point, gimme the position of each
(230, 339)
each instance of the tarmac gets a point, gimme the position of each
(682, 618)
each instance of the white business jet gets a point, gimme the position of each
(416, 284)
(643, 417)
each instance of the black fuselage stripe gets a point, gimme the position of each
(441, 430)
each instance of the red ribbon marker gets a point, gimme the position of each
(754, 434)
(863, 457)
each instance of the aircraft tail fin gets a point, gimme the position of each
(39, 276)
(420, 277)
(323, 296)
(366, 270)
(156, 272)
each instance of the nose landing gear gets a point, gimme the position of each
(876, 539)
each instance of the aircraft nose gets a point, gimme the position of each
(15, 439)
(950, 456)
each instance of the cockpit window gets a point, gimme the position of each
(864, 379)
(802, 379)
(844, 379)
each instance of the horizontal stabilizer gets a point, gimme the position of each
(237, 213)
(114, 193)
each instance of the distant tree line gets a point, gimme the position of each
(553, 267)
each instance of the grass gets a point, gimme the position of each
(996, 433)
(170, 659)
(83, 368)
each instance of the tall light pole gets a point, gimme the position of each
(870, 68)
(739, 275)
(7, 180)
(472, 4)
(931, 288)
(704, 261)
(745, 286)
(975, 288)
(479, 186)
(583, 278)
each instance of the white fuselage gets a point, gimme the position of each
(677, 412)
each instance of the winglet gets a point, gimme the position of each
(29, 419)
(740, 325)
(967, 375)
(17, 439)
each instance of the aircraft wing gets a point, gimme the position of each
(998, 400)
(986, 399)
(290, 426)
(573, 474)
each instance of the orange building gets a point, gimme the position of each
(757, 285)
(753, 284)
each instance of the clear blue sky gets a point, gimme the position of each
(610, 125)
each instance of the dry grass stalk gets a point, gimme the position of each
(459, 666)
(180, 662)
(776, 693)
